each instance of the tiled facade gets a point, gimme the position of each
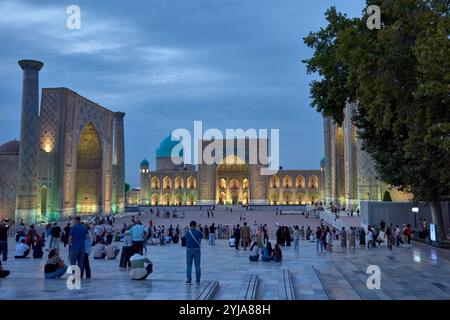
(350, 174)
(232, 180)
(66, 161)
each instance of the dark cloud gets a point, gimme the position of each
(166, 63)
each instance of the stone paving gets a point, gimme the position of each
(416, 272)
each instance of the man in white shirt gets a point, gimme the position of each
(22, 250)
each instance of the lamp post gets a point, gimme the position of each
(415, 210)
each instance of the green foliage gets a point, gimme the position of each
(400, 78)
(127, 187)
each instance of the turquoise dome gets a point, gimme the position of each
(144, 163)
(165, 147)
(322, 163)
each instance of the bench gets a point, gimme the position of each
(285, 286)
(207, 290)
(248, 287)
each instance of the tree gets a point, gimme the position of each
(127, 187)
(400, 78)
(387, 196)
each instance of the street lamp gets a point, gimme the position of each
(415, 210)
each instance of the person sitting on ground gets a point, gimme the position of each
(232, 242)
(139, 271)
(277, 254)
(99, 250)
(112, 250)
(3, 273)
(54, 267)
(37, 251)
(22, 250)
(267, 253)
(254, 252)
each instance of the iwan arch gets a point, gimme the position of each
(71, 158)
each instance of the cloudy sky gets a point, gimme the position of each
(166, 63)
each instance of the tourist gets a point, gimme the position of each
(297, 237)
(37, 251)
(112, 250)
(319, 243)
(352, 238)
(55, 234)
(308, 233)
(138, 233)
(127, 251)
(398, 236)
(362, 238)
(245, 234)
(329, 240)
(48, 235)
(77, 242)
(22, 250)
(265, 233)
(54, 267)
(409, 233)
(98, 250)
(193, 253)
(267, 253)
(280, 235)
(390, 238)
(254, 252)
(141, 267)
(212, 235)
(3, 273)
(87, 252)
(206, 232)
(4, 239)
(66, 234)
(343, 236)
(370, 238)
(287, 236)
(237, 236)
(302, 233)
(259, 235)
(277, 253)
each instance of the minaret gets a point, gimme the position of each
(27, 190)
(145, 182)
(119, 160)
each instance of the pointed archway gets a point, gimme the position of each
(88, 174)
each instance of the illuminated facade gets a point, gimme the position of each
(350, 174)
(71, 157)
(233, 180)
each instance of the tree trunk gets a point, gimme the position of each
(438, 220)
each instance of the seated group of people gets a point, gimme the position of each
(102, 251)
(267, 254)
(23, 250)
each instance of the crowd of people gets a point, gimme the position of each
(99, 238)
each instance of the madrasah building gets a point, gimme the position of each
(350, 175)
(70, 158)
(231, 180)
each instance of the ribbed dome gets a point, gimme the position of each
(165, 147)
(144, 163)
(11, 147)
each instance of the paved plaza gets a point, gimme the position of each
(415, 272)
